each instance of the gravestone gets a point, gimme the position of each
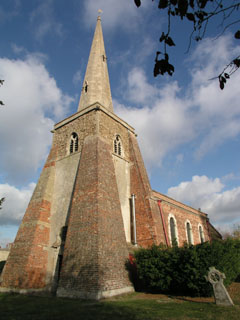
(215, 277)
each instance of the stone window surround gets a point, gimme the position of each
(191, 233)
(176, 228)
(199, 234)
(118, 146)
(73, 143)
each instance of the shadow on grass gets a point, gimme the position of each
(132, 307)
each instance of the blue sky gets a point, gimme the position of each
(188, 130)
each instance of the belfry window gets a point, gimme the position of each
(189, 233)
(86, 86)
(118, 146)
(173, 231)
(201, 234)
(74, 143)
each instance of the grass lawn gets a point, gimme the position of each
(132, 306)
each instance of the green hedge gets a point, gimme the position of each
(182, 270)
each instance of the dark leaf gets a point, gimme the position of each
(237, 62)
(162, 37)
(162, 66)
(191, 3)
(137, 3)
(182, 7)
(203, 3)
(237, 34)
(221, 84)
(224, 80)
(169, 41)
(190, 16)
(170, 69)
(173, 2)
(226, 75)
(159, 67)
(163, 4)
(1, 82)
(1, 103)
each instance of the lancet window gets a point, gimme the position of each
(118, 146)
(201, 234)
(74, 143)
(173, 230)
(189, 232)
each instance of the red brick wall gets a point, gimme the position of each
(26, 266)
(182, 215)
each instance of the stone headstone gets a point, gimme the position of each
(215, 277)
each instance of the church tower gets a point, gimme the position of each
(92, 194)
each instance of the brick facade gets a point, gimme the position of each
(26, 266)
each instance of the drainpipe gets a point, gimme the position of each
(163, 223)
(134, 220)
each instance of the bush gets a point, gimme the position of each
(182, 270)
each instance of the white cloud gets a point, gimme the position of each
(32, 103)
(44, 21)
(161, 122)
(15, 204)
(77, 78)
(196, 190)
(122, 13)
(208, 194)
(139, 91)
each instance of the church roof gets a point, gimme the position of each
(96, 85)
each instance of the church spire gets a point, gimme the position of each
(96, 86)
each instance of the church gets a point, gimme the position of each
(93, 203)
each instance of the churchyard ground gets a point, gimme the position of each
(135, 306)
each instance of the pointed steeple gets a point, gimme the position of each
(96, 85)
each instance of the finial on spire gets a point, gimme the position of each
(99, 14)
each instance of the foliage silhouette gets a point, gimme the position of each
(198, 13)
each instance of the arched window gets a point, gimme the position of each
(74, 143)
(201, 234)
(173, 231)
(189, 233)
(117, 146)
